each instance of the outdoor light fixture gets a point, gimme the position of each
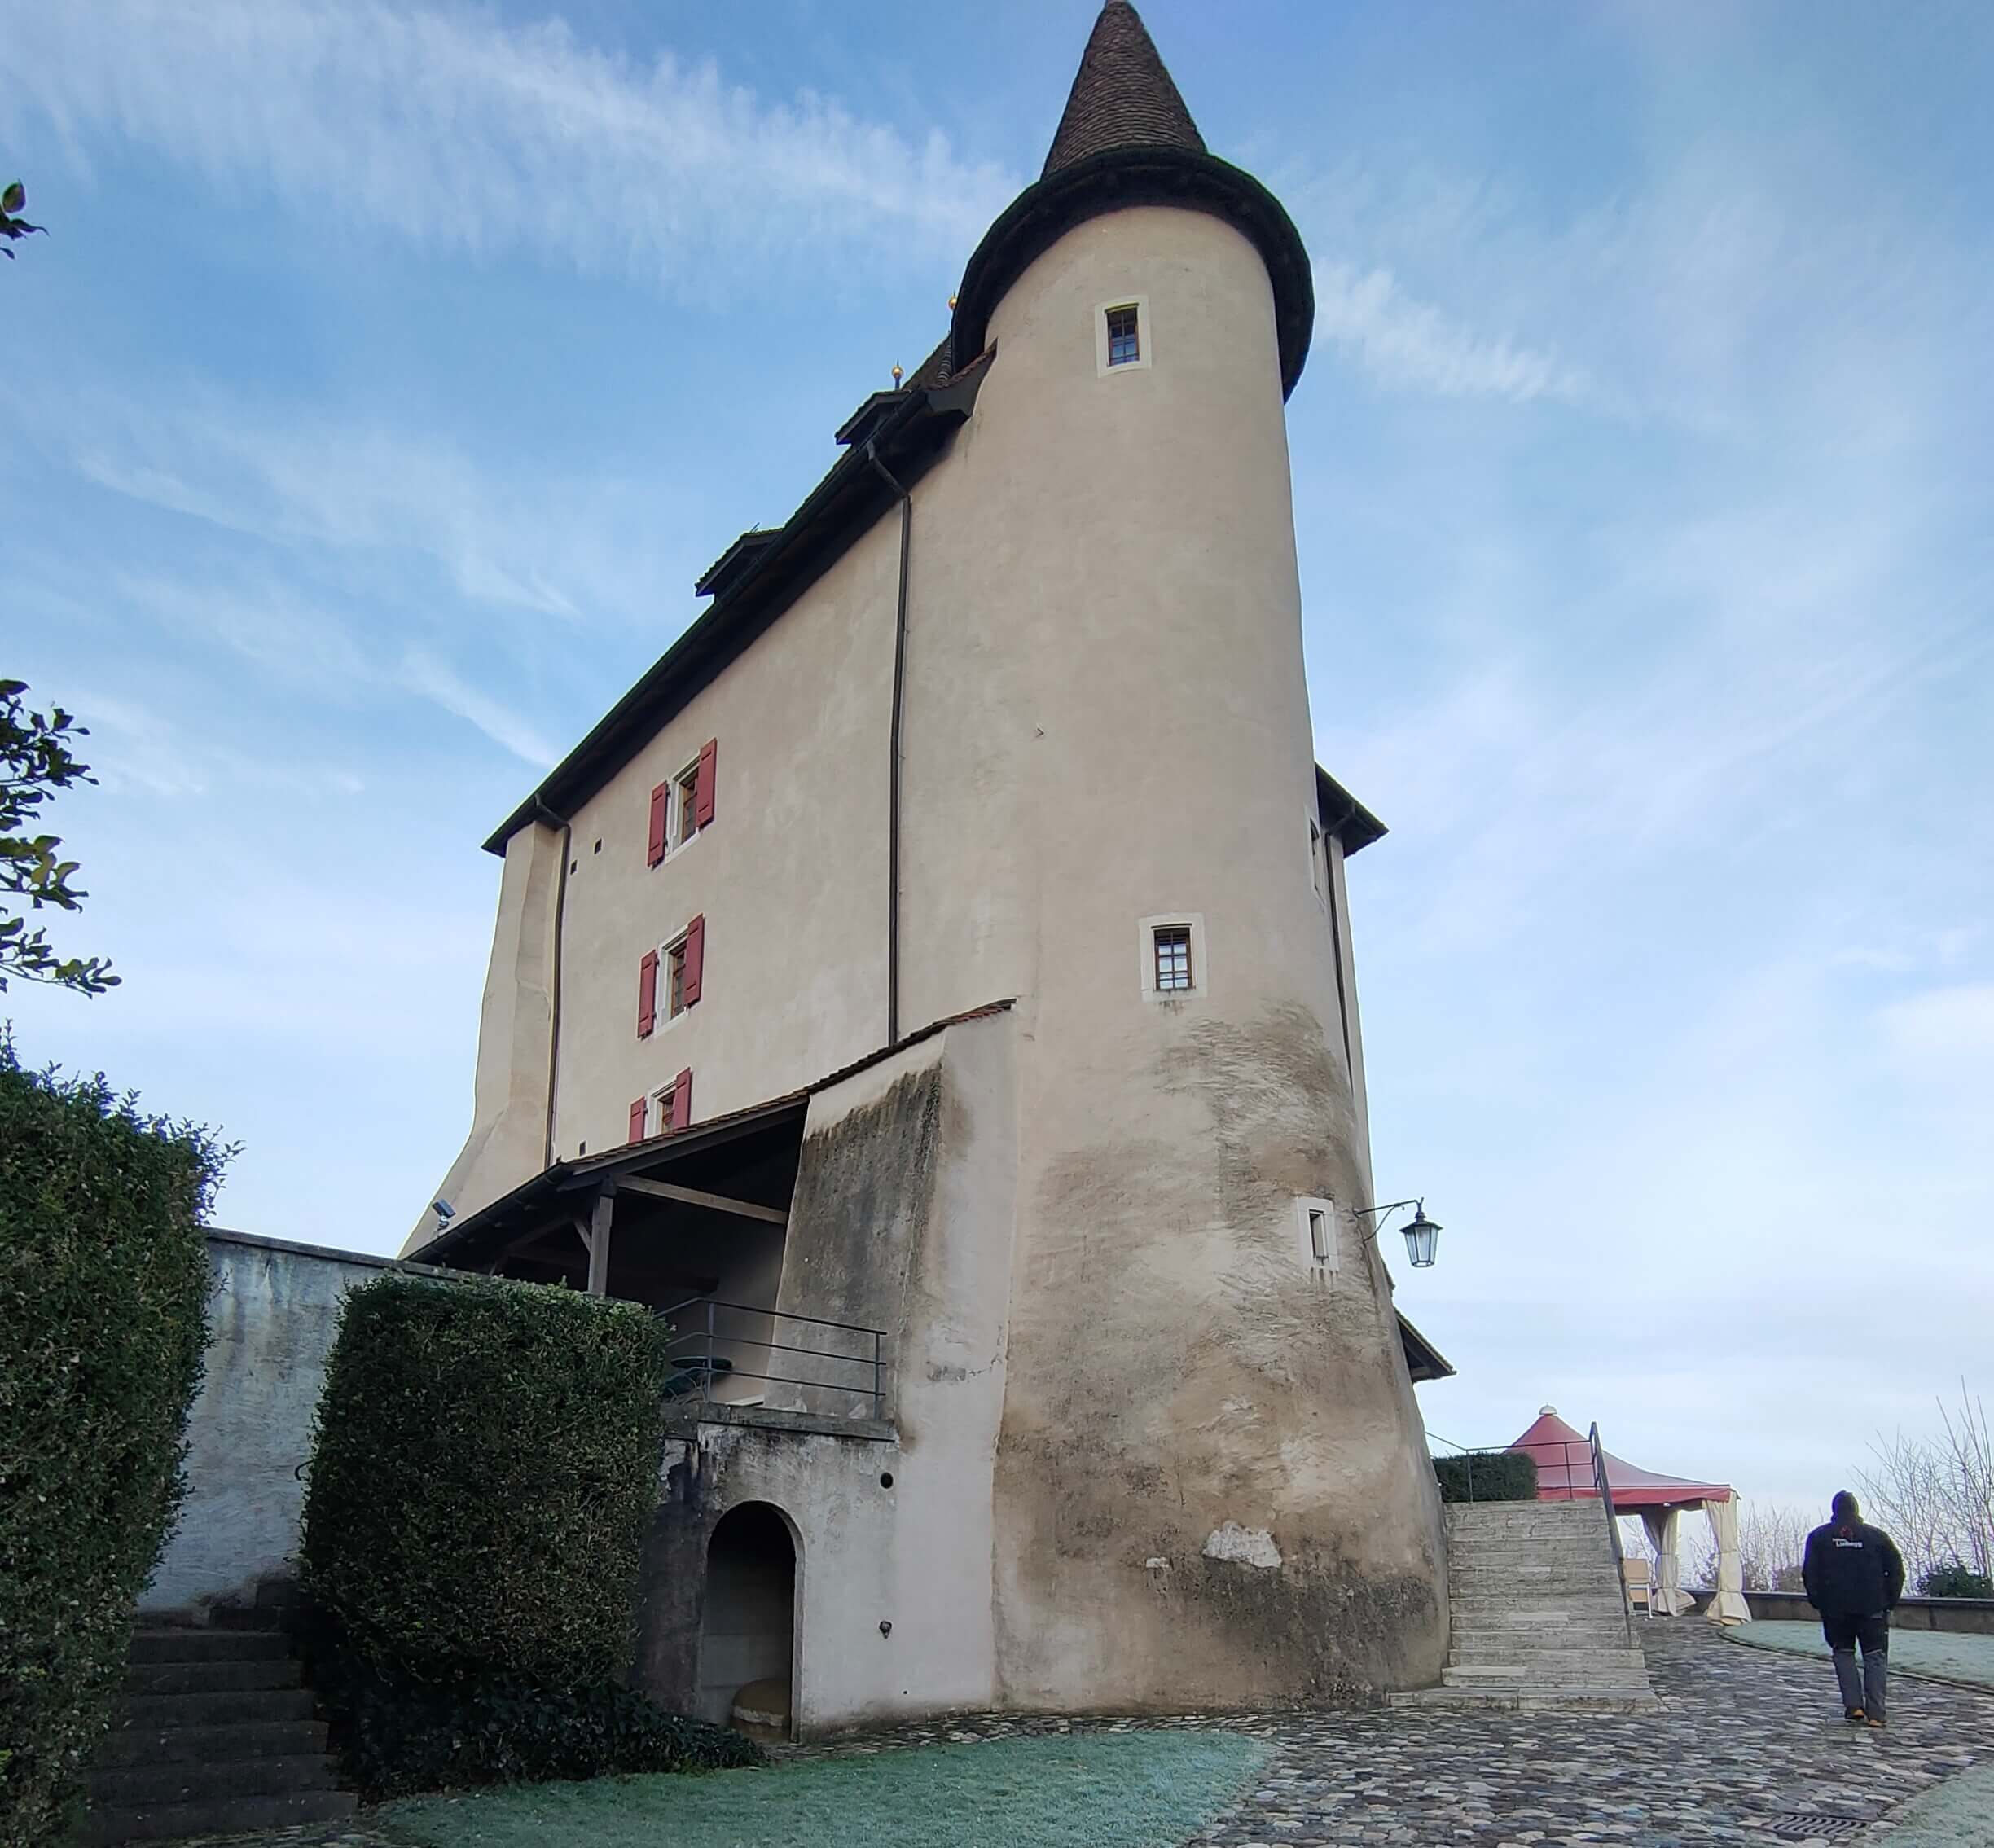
(1422, 1234)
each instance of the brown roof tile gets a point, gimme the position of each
(1122, 96)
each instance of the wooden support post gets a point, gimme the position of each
(598, 1243)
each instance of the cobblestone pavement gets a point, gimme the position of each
(1743, 1737)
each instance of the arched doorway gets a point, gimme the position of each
(747, 1625)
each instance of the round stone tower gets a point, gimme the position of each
(1211, 1482)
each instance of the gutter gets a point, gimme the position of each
(892, 773)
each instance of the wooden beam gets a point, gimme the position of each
(691, 1197)
(599, 1243)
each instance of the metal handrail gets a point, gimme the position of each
(1605, 1486)
(703, 1366)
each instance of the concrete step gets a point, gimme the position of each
(1528, 1681)
(129, 1745)
(1543, 1699)
(156, 1712)
(210, 1676)
(166, 1644)
(236, 1816)
(1483, 1610)
(1508, 1646)
(191, 1780)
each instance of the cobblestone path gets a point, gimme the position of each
(1742, 1738)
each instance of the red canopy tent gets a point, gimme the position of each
(1565, 1472)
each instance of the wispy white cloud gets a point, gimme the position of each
(422, 672)
(511, 539)
(1403, 341)
(452, 129)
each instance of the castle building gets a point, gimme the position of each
(932, 984)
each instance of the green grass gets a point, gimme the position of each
(1931, 1651)
(1099, 1790)
(1957, 1814)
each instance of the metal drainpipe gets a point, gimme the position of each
(893, 782)
(553, 997)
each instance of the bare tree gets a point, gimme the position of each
(1935, 1494)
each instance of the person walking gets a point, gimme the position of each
(1854, 1577)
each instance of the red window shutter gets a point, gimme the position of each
(638, 1111)
(681, 1098)
(647, 992)
(703, 783)
(657, 823)
(694, 958)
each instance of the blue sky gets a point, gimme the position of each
(391, 371)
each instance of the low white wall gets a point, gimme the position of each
(271, 1319)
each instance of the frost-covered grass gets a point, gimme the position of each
(1102, 1790)
(1934, 1652)
(1957, 1814)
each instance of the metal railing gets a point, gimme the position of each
(719, 1348)
(1605, 1486)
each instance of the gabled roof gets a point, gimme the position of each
(1121, 96)
(1564, 1459)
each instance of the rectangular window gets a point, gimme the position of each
(1124, 340)
(1315, 1224)
(662, 1112)
(675, 980)
(1173, 959)
(685, 802)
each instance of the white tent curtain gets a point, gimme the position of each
(1661, 1524)
(1727, 1604)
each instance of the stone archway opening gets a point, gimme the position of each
(748, 1622)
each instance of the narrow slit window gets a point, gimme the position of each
(1124, 336)
(1319, 1234)
(1173, 959)
(675, 975)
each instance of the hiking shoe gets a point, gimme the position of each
(1856, 1716)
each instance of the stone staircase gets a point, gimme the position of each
(1537, 1616)
(214, 1735)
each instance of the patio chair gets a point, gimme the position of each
(1638, 1576)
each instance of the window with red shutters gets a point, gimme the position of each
(703, 785)
(647, 994)
(682, 1100)
(694, 958)
(639, 1109)
(660, 810)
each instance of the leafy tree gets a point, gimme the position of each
(13, 200)
(35, 762)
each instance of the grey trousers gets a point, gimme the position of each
(1866, 1689)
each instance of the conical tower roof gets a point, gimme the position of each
(1126, 139)
(1121, 96)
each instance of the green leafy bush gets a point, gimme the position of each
(104, 1289)
(483, 1469)
(1497, 1476)
(404, 1737)
(1956, 1580)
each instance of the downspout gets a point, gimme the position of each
(554, 988)
(893, 782)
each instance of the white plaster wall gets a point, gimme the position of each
(790, 876)
(1108, 722)
(507, 1142)
(271, 1322)
(927, 1566)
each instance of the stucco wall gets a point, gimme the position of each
(272, 1318)
(917, 1155)
(1124, 577)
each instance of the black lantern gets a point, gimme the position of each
(1422, 1235)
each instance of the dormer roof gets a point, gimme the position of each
(1121, 95)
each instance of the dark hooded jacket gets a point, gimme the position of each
(1852, 1570)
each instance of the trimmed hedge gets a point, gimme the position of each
(1956, 1580)
(103, 1290)
(1499, 1476)
(483, 1469)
